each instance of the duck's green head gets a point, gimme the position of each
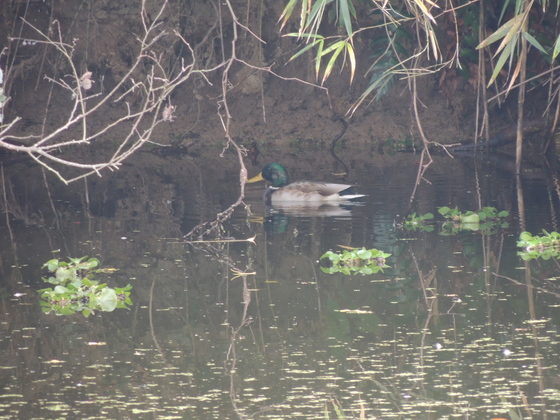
(273, 172)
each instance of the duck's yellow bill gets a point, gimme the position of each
(255, 179)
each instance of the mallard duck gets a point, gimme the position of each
(301, 192)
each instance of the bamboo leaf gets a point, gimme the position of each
(352, 59)
(433, 41)
(504, 8)
(352, 9)
(378, 84)
(332, 47)
(534, 42)
(332, 61)
(345, 15)
(318, 59)
(556, 50)
(293, 34)
(514, 76)
(287, 12)
(500, 33)
(513, 33)
(316, 14)
(424, 10)
(304, 49)
(506, 53)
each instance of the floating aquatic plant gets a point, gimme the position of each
(75, 291)
(361, 260)
(486, 220)
(419, 222)
(544, 246)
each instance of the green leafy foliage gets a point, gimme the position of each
(419, 222)
(511, 34)
(75, 291)
(487, 220)
(361, 260)
(388, 53)
(545, 246)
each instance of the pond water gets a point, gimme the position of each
(457, 325)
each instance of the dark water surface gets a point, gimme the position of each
(458, 326)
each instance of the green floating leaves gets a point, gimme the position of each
(75, 291)
(419, 222)
(544, 246)
(361, 260)
(487, 220)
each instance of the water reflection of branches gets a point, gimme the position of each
(231, 356)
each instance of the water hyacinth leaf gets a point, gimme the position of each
(444, 210)
(51, 265)
(107, 300)
(364, 253)
(78, 293)
(76, 261)
(525, 236)
(60, 289)
(93, 262)
(473, 226)
(65, 273)
(329, 254)
(51, 280)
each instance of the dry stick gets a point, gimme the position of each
(43, 59)
(86, 193)
(538, 76)
(261, 59)
(50, 197)
(425, 152)
(539, 289)
(481, 83)
(521, 95)
(556, 112)
(151, 320)
(226, 120)
(6, 205)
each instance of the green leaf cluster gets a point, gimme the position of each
(419, 221)
(361, 260)
(75, 290)
(545, 246)
(486, 220)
